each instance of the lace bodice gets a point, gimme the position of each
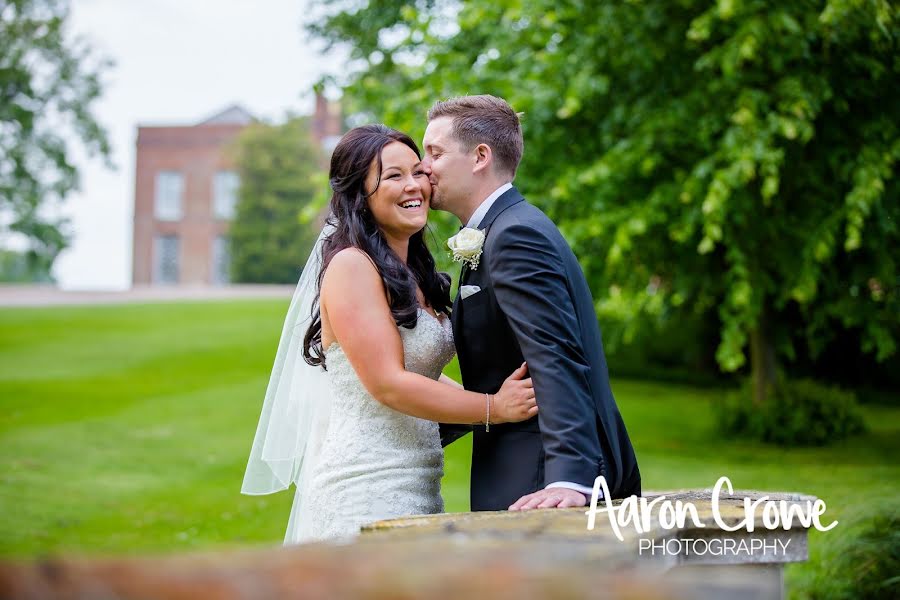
(376, 462)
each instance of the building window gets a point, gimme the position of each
(166, 250)
(169, 192)
(225, 188)
(221, 261)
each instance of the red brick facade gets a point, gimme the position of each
(193, 155)
(197, 152)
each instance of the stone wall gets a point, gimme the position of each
(533, 554)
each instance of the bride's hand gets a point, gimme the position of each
(515, 401)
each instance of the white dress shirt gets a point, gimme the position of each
(475, 222)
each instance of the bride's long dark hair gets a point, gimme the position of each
(355, 226)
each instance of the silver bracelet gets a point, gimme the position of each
(487, 422)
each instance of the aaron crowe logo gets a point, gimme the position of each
(638, 512)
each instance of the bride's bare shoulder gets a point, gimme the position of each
(351, 271)
(351, 261)
(351, 258)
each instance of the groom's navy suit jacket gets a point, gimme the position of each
(535, 305)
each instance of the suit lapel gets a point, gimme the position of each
(507, 199)
(455, 316)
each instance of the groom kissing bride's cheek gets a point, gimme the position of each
(523, 297)
(357, 408)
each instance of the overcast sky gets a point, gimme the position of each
(176, 62)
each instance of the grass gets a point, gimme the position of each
(126, 429)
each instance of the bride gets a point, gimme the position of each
(352, 408)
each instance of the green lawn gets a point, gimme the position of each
(125, 429)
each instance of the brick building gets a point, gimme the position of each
(186, 192)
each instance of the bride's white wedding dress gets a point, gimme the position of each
(375, 463)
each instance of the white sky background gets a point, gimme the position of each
(176, 62)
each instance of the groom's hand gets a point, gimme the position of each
(550, 498)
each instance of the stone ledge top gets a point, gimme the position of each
(565, 532)
(572, 522)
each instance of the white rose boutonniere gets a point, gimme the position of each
(466, 246)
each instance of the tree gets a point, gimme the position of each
(736, 159)
(48, 83)
(278, 165)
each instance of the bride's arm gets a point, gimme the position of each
(353, 297)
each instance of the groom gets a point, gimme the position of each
(527, 299)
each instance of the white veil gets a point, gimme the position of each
(297, 405)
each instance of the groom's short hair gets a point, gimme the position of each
(487, 120)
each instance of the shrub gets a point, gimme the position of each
(679, 350)
(801, 412)
(864, 562)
